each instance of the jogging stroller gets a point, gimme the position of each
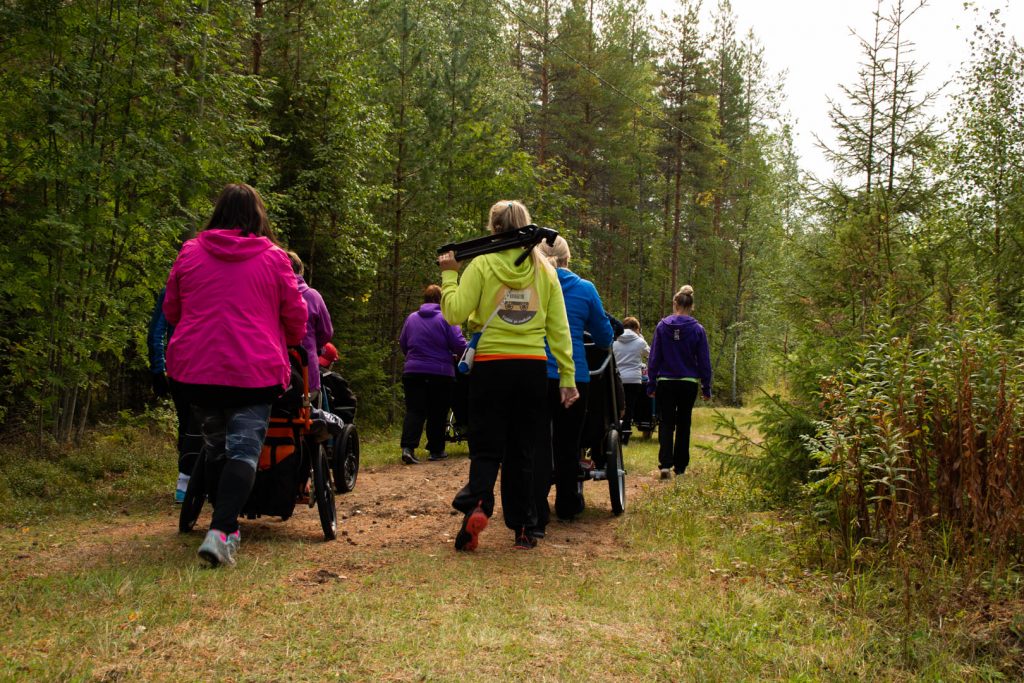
(295, 464)
(336, 397)
(645, 415)
(457, 428)
(602, 432)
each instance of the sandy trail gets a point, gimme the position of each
(394, 509)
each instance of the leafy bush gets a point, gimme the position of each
(926, 438)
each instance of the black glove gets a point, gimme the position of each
(160, 386)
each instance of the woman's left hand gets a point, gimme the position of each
(569, 396)
(447, 261)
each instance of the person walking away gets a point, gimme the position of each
(679, 365)
(430, 345)
(190, 440)
(631, 351)
(235, 306)
(560, 463)
(319, 328)
(514, 307)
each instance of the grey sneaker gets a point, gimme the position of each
(409, 457)
(219, 548)
(666, 473)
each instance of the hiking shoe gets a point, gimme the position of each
(438, 456)
(219, 548)
(409, 457)
(472, 524)
(536, 533)
(666, 473)
(179, 496)
(524, 541)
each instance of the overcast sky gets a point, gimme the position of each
(811, 41)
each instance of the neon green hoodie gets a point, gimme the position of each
(529, 307)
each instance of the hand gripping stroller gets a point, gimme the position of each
(526, 237)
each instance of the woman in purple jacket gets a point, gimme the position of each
(319, 329)
(679, 363)
(429, 344)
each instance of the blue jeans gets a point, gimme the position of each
(235, 434)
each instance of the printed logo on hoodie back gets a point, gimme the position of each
(517, 306)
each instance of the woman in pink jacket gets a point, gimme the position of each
(235, 307)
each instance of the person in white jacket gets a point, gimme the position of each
(631, 351)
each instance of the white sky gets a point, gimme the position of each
(812, 42)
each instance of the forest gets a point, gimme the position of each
(872, 317)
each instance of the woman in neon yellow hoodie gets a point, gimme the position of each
(516, 307)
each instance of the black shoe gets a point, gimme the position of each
(434, 457)
(409, 457)
(524, 541)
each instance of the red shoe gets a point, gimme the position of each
(472, 524)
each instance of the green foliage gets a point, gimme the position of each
(923, 433)
(776, 459)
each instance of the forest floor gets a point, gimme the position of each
(697, 581)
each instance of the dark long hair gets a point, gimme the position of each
(240, 207)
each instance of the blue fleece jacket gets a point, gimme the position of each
(680, 350)
(586, 313)
(159, 334)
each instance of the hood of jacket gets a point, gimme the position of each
(301, 282)
(231, 245)
(629, 337)
(568, 279)
(502, 265)
(681, 322)
(429, 310)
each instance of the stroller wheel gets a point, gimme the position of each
(323, 493)
(345, 459)
(615, 471)
(195, 496)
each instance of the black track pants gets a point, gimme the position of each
(507, 425)
(675, 406)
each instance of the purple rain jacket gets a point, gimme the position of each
(429, 342)
(680, 349)
(319, 329)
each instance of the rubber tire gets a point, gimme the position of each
(615, 471)
(195, 496)
(323, 493)
(345, 460)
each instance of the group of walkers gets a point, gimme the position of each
(235, 301)
(528, 387)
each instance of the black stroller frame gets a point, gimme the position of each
(296, 466)
(604, 398)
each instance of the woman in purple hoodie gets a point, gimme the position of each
(679, 363)
(429, 344)
(319, 329)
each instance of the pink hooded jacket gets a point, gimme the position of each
(235, 308)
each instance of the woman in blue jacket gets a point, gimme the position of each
(679, 363)
(586, 313)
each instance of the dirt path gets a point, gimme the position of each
(394, 509)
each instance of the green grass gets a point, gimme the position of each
(699, 585)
